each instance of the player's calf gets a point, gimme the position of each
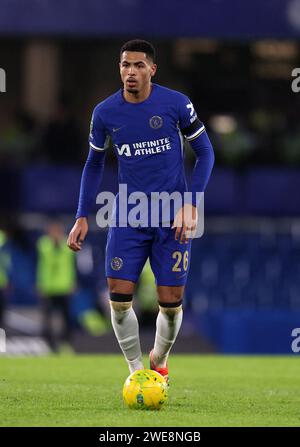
(125, 325)
(168, 323)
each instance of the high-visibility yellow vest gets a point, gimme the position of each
(4, 262)
(56, 271)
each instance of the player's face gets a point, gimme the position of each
(136, 71)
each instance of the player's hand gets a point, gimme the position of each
(78, 234)
(185, 223)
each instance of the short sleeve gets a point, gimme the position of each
(98, 138)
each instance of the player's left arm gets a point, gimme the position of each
(194, 131)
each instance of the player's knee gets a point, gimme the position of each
(120, 286)
(120, 307)
(170, 310)
(120, 304)
(170, 294)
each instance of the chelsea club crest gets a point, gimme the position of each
(116, 263)
(156, 122)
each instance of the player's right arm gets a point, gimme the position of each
(90, 181)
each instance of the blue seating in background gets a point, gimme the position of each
(242, 286)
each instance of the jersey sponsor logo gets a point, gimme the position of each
(124, 149)
(116, 263)
(144, 147)
(156, 122)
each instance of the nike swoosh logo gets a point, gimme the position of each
(118, 128)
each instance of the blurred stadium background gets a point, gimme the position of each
(235, 61)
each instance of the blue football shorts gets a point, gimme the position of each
(128, 249)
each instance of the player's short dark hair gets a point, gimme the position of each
(139, 45)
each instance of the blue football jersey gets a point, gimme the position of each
(147, 138)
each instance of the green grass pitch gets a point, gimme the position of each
(205, 390)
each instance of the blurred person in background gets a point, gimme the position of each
(56, 282)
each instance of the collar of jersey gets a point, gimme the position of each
(137, 103)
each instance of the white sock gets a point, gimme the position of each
(126, 328)
(168, 323)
